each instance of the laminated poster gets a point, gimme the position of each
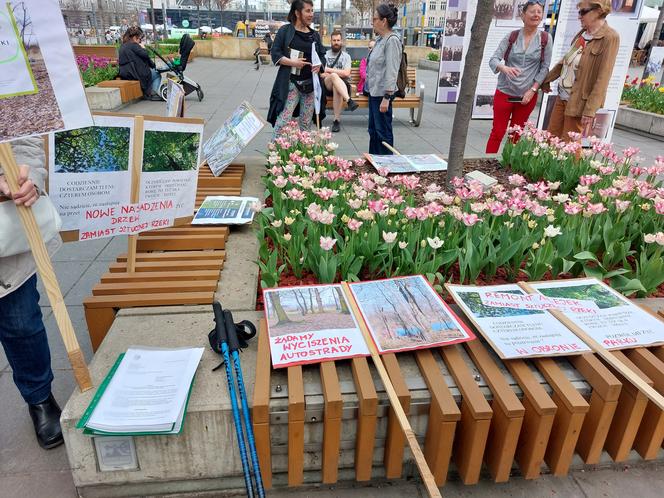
(310, 324)
(90, 169)
(413, 163)
(233, 136)
(175, 100)
(405, 313)
(171, 155)
(225, 210)
(522, 330)
(617, 324)
(40, 85)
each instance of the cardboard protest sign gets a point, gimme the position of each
(515, 331)
(127, 219)
(90, 168)
(225, 210)
(175, 100)
(413, 163)
(233, 136)
(405, 313)
(40, 85)
(618, 323)
(310, 324)
(171, 155)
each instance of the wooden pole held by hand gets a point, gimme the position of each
(45, 268)
(605, 354)
(136, 165)
(385, 144)
(425, 471)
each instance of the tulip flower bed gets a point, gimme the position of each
(645, 95)
(327, 220)
(96, 69)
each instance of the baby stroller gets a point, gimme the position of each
(175, 70)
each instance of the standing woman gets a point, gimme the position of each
(584, 72)
(526, 54)
(382, 69)
(294, 83)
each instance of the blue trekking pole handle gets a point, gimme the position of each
(219, 323)
(233, 343)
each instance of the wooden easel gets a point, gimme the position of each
(425, 471)
(45, 268)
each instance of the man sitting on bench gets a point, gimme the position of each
(336, 78)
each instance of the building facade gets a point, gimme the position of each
(423, 14)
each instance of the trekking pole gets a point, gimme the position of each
(234, 345)
(223, 339)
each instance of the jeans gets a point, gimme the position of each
(504, 112)
(156, 81)
(380, 127)
(25, 343)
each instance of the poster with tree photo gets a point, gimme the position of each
(40, 85)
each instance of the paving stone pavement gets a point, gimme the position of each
(27, 471)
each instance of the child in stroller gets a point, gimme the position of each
(175, 69)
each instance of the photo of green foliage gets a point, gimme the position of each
(474, 303)
(170, 151)
(94, 149)
(604, 298)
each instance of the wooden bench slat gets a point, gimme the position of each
(159, 276)
(141, 300)
(366, 418)
(333, 406)
(145, 266)
(180, 242)
(261, 405)
(114, 289)
(174, 256)
(295, 426)
(395, 440)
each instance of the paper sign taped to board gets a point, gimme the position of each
(536, 302)
(128, 219)
(40, 84)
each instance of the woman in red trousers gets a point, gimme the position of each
(522, 59)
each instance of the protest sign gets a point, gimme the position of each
(175, 99)
(535, 302)
(40, 85)
(128, 219)
(405, 313)
(310, 324)
(233, 136)
(413, 163)
(170, 159)
(91, 167)
(618, 323)
(515, 332)
(225, 210)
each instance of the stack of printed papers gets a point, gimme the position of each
(145, 392)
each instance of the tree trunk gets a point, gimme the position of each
(311, 300)
(319, 301)
(342, 301)
(165, 19)
(321, 19)
(282, 317)
(655, 39)
(343, 20)
(471, 70)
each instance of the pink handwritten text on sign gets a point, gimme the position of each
(536, 302)
(128, 219)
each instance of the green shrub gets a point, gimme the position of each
(433, 56)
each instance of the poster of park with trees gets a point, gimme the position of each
(405, 313)
(310, 324)
(617, 324)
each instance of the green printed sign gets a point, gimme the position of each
(16, 77)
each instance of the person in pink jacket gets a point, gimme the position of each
(363, 70)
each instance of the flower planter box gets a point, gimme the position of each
(646, 122)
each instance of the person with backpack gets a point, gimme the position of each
(525, 54)
(383, 68)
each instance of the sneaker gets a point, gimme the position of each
(336, 127)
(352, 105)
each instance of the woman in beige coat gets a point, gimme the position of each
(584, 72)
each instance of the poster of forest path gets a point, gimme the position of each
(405, 313)
(307, 309)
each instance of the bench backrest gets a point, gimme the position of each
(108, 51)
(412, 77)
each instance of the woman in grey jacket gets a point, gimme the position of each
(22, 331)
(382, 69)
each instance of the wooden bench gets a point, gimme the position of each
(129, 90)
(413, 100)
(264, 53)
(107, 51)
(174, 266)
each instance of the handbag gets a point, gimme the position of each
(304, 86)
(13, 239)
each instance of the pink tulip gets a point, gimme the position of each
(377, 206)
(597, 208)
(280, 182)
(295, 194)
(573, 208)
(354, 225)
(621, 206)
(516, 180)
(589, 179)
(327, 243)
(470, 219)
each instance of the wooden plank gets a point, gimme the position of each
(473, 429)
(188, 230)
(572, 409)
(261, 405)
(650, 435)
(174, 256)
(139, 300)
(395, 439)
(183, 285)
(366, 419)
(99, 321)
(331, 421)
(295, 426)
(181, 242)
(508, 413)
(629, 413)
(540, 411)
(443, 417)
(603, 403)
(159, 276)
(183, 266)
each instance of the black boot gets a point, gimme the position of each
(352, 105)
(46, 419)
